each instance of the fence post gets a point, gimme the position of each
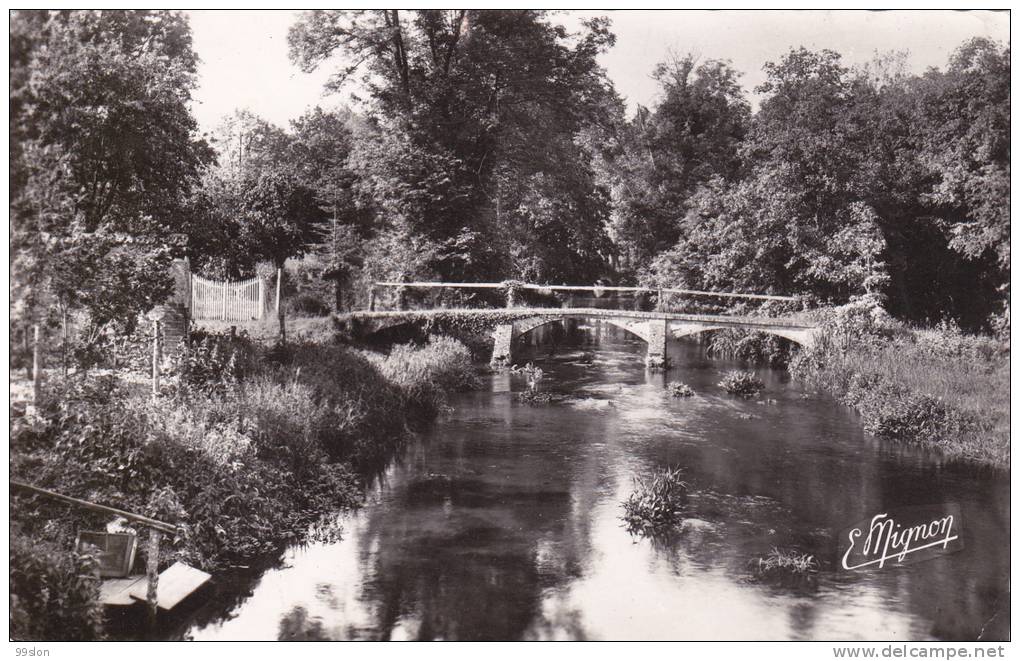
(371, 299)
(223, 310)
(36, 367)
(152, 574)
(156, 359)
(279, 281)
(262, 301)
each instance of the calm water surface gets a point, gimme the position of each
(501, 522)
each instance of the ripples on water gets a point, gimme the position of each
(501, 522)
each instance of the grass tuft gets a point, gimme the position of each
(780, 564)
(656, 503)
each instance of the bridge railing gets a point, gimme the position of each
(433, 295)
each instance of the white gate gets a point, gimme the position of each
(230, 301)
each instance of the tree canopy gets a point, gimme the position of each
(491, 145)
(104, 152)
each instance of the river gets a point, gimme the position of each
(502, 522)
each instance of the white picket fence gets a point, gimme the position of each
(230, 301)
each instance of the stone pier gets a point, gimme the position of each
(657, 332)
(502, 349)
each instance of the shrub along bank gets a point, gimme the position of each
(247, 448)
(938, 388)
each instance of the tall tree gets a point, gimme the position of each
(246, 146)
(320, 152)
(795, 221)
(475, 115)
(279, 216)
(691, 136)
(104, 151)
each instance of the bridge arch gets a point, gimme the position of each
(801, 337)
(523, 326)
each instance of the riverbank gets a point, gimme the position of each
(248, 447)
(937, 388)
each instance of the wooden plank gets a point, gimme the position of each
(175, 584)
(117, 591)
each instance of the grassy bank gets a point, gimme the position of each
(938, 388)
(248, 447)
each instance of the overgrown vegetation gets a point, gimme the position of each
(755, 347)
(745, 384)
(657, 502)
(679, 390)
(53, 593)
(938, 388)
(251, 445)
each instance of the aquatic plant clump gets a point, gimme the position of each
(679, 390)
(782, 564)
(657, 502)
(745, 384)
(534, 397)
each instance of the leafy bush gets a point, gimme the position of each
(755, 347)
(678, 390)
(309, 306)
(656, 503)
(745, 384)
(54, 594)
(947, 341)
(211, 363)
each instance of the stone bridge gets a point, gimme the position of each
(655, 328)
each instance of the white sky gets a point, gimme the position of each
(245, 63)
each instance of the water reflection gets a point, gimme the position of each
(502, 523)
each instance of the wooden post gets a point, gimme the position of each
(27, 346)
(63, 343)
(36, 367)
(156, 359)
(262, 301)
(371, 299)
(279, 310)
(223, 310)
(152, 574)
(279, 282)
